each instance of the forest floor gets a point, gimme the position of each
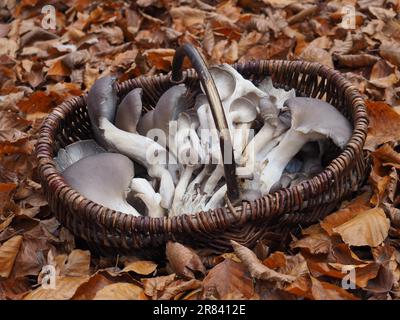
(46, 58)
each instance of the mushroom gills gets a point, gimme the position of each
(75, 152)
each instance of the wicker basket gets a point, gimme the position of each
(272, 217)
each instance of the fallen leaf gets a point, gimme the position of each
(184, 261)
(58, 68)
(256, 268)
(326, 291)
(8, 253)
(186, 17)
(152, 286)
(120, 291)
(349, 211)
(160, 58)
(355, 60)
(315, 54)
(390, 50)
(179, 286)
(368, 228)
(14, 288)
(141, 267)
(318, 243)
(65, 288)
(77, 264)
(88, 290)
(227, 277)
(37, 102)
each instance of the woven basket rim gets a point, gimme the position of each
(242, 214)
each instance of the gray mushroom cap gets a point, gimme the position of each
(309, 115)
(75, 152)
(168, 107)
(103, 178)
(129, 110)
(101, 102)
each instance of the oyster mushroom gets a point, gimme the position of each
(311, 120)
(129, 110)
(231, 85)
(168, 108)
(279, 95)
(103, 178)
(242, 113)
(75, 152)
(265, 139)
(101, 108)
(102, 101)
(207, 130)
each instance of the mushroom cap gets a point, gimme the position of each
(129, 110)
(224, 81)
(279, 95)
(268, 110)
(311, 115)
(145, 123)
(103, 178)
(75, 152)
(242, 110)
(169, 106)
(102, 100)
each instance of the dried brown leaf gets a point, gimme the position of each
(65, 288)
(8, 253)
(368, 228)
(317, 243)
(141, 267)
(179, 286)
(383, 124)
(315, 54)
(349, 211)
(120, 291)
(153, 286)
(77, 264)
(227, 278)
(161, 59)
(184, 261)
(256, 268)
(187, 17)
(326, 291)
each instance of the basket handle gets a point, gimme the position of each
(217, 112)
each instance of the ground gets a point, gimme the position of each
(52, 50)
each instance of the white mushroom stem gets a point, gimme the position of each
(213, 180)
(181, 188)
(137, 147)
(167, 186)
(280, 156)
(154, 210)
(263, 142)
(242, 113)
(217, 200)
(143, 190)
(208, 133)
(198, 179)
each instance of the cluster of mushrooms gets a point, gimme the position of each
(168, 161)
